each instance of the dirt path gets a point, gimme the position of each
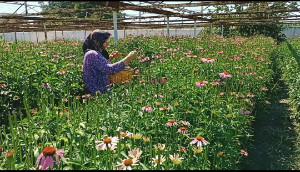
(274, 136)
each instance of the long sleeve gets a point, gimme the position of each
(104, 66)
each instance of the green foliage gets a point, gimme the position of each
(53, 5)
(247, 30)
(61, 117)
(2, 39)
(287, 57)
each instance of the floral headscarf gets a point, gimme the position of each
(95, 41)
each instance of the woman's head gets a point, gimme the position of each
(101, 37)
(105, 44)
(97, 40)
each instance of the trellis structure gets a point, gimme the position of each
(30, 21)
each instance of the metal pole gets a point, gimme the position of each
(15, 34)
(55, 34)
(124, 32)
(115, 26)
(45, 32)
(26, 8)
(163, 30)
(3, 36)
(222, 30)
(30, 35)
(168, 31)
(195, 27)
(140, 13)
(37, 38)
(202, 15)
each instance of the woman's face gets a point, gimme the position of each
(105, 44)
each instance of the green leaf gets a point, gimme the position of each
(36, 137)
(103, 128)
(238, 136)
(123, 153)
(80, 132)
(36, 152)
(144, 167)
(72, 162)
(82, 124)
(67, 168)
(65, 140)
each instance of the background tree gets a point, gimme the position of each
(53, 5)
(273, 30)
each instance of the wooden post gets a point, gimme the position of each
(84, 34)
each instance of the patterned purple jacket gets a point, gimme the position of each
(96, 70)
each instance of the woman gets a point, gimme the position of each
(96, 63)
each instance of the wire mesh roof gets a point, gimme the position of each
(151, 15)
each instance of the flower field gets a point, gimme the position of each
(190, 105)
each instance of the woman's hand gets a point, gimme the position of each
(131, 56)
(115, 54)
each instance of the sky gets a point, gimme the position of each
(9, 7)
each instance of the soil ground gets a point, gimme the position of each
(275, 136)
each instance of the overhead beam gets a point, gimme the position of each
(126, 6)
(18, 8)
(191, 16)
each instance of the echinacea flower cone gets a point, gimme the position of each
(47, 157)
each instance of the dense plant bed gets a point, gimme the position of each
(191, 96)
(288, 59)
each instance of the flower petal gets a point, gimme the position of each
(59, 151)
(57, 160)
(50, 160)
(194, 141)
(61, 155)
(43, 161)
(38, 159)
(199, 144)
(100, 146)
(45, 164)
